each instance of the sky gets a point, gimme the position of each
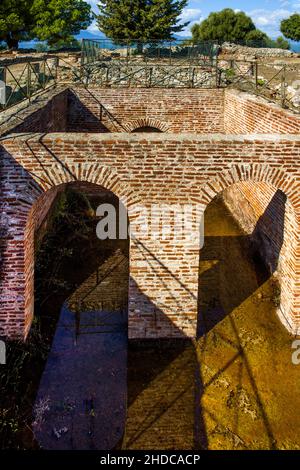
(266, 14)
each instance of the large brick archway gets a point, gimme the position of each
(258, 186)
(210, 141)
(37, 216)
(163, 276)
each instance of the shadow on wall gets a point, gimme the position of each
(223, 284)
(82, 119)
(164, 410)
(174, 377)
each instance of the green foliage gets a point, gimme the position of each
(290, 27)
(46, 20)
(16, 21)
(59, 20)
(70, 219)
(226, 25)
(69, 44)
(257, 37)
(140, 19)
(42, 47)
(229, 74)
(260, 82)
(282, 43)
(19, 379)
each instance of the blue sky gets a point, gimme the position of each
(266, 14)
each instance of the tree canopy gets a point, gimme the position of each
(49, 20)
(290, 27)
(140, 19)
(225, 25)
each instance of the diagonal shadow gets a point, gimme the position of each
(224, 285)
(82, 119)
(219, 291)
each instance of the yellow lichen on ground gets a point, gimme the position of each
(236, 386)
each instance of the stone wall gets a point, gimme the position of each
(255, 52)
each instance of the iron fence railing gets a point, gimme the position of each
(177, 64)
(22, 79)
(278, 82)
(169, 52)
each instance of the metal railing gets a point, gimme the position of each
(175, 64)
(170, 52)
(279, 83)
(24, 78)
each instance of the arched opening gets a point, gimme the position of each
(81, 306)
(146, 129)
(246, 280)
(248, 243)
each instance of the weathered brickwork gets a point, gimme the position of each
(146, 169)
(248, 114)
(268, 217)
(260, 174)
(50, 115)
(123, 110)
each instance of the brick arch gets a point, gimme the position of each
(130, 126)
(273, 176)
(106, 177)
(40, 203)
(277, 179)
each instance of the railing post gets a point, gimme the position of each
(3, 87)
(28, 80)
(283, 87)
(256, 74)
(44, 74)
(150, 76)
(217, 73)
(193, 78)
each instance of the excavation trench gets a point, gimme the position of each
(95, 390)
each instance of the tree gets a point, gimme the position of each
(50, 20)
(256, 37)
(225, 25)
(143, 20)
(16, 21)
(290, 27)
(281, 43)
(58, 20)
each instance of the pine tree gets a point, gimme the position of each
(291, 27)
(224, 25)
(142, 20)
(49, 20)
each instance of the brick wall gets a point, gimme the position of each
(201, 111)
(123, 110)
(248, 114)
(49, 116)
(265, 214)
(152, 169)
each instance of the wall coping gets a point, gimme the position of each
(261, 100)
(75, 137)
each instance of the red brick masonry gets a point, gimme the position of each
(170, 168)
